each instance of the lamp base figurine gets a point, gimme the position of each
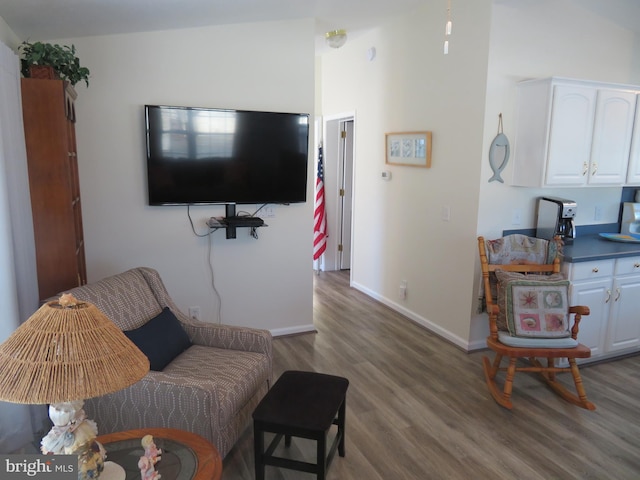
(74, 434)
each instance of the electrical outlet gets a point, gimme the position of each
(268, 211)
(597, 213)
(516, 216)
(402, 291)
(194, 313)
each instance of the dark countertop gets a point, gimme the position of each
(592, 246)
(588, 245)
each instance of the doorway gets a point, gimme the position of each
(339, 155)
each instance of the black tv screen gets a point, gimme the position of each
(209, 156)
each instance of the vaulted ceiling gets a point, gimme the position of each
(51, 19)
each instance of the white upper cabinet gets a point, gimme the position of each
(569, 135)
(572, 133)
(612, 137)
(633, 173)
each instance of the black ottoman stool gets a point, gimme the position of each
(305, 405)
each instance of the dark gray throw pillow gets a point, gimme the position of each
(161, 339)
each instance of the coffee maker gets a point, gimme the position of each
(556, 216)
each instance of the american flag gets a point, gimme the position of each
(319, 215)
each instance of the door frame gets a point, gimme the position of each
(345, 207)
(332, 165)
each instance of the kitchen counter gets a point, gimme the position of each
(593, 247)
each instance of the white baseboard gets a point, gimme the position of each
(432, 327)
(477, 345)
(280, 332)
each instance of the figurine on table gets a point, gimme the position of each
(150, 450)
(147, 472)
(149, 459)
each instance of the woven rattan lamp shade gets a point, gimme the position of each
(67, 353)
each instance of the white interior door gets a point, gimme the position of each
(339, 157)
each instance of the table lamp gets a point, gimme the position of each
(67, 351)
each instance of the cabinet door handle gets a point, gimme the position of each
(617, 294)
(608, 296)
(595, 169)
(585, 168)
(595, 270)
(636, 265)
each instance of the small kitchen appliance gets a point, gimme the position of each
(556, 216)
(630, 218)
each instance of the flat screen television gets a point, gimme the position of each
(216, 156)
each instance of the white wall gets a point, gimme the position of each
(7, 36)
(264, 283)
(18, 281)
(399, 233)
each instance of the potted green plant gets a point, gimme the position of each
(61, 58)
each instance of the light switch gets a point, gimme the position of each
(446, 213)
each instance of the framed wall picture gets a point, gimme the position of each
(409, 148)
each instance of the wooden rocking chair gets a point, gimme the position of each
(530, 351)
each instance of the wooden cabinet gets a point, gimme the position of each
(49, 128)
(611, 290)
(572, 133)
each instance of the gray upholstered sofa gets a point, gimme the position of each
(211, 388)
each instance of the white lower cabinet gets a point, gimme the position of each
(591, 284)
(611, 290)
(623, 332)
(595, 294)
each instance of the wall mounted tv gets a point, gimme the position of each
(211, 156)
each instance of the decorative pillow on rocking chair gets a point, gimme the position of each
(534, 307)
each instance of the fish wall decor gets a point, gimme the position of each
(499, 153)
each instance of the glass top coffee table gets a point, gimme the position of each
(185, 455)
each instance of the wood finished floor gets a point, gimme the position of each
(418, 407)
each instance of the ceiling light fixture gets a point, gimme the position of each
(447, 28)
(336, 38)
